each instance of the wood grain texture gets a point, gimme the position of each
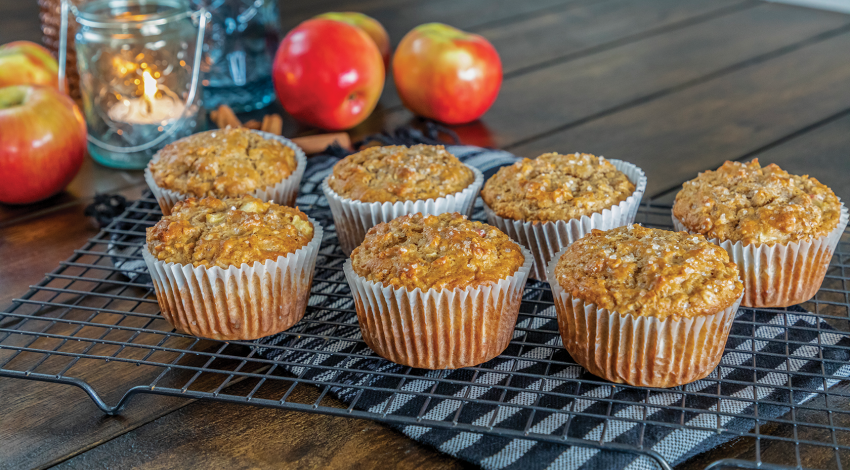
(822, 151)
(218, 436)
(674, 137)
(533, 106)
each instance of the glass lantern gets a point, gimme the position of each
(139, 65)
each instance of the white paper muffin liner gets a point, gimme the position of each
(438, 329)
(640, 350)
(354, 218)
(547, 238)
(243, 303)
(283, 193)
(781, 274)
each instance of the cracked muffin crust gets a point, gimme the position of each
(214, 232)
(743, 202)
(649, 272)
(400, 173)
(222, 163)
(444, 251)
(555, 187)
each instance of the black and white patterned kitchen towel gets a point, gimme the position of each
(771, 355)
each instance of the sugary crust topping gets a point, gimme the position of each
(222, 163)
(649, 272)
(556, 187)
(743, 202)
(399, 173)
(444, 251)
(213, 232)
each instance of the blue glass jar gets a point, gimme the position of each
(239, 49)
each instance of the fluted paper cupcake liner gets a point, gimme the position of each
(283, 193)
(438, 329)
(237, 303)
(781, 274)
(544, 239)
(354, 218)
(640, 350)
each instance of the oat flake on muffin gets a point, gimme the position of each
(649, 272)
(399, 173)
(214, 232)
(743, 202)
(444, 251)
(556, 187)
(222, 163)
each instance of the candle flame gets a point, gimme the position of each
(150, 90)
(149, 84)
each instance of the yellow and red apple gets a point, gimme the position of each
(328, 74)
(27, 63)
(42, 142)
(446, 74)
(369, 25)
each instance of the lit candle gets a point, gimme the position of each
(147, 109)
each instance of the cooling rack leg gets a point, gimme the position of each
(110, 410)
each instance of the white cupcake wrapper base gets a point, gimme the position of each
(640, 350)
(354, 218)
(243, 303)
(438, 329)
(785, 273)
(544, 239)
(283, 193)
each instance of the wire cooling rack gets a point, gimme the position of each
(94, 320)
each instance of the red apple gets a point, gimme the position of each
(368, 24)
(42, 142)
(328, 74)
(27, 63)
(446, 74)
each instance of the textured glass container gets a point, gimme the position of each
(239, 49)
(139, 64)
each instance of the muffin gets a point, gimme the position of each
(780, 229)
(644, 306)
(379, 184)
(437, 291)
(553, 200)
(233, 268)
(227, 162)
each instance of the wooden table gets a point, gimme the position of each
(674, 86)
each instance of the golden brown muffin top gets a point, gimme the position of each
(443, 251)
(649, 272)
(215, 232)
(222, 163)
(743, 202)
(400, 173)
(556, 187)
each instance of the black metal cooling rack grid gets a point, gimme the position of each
(88, 324)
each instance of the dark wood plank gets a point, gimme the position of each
(20, 21)
(538, 38)
(822, 151)
(219, 435)
(676, 136)
(535, 104)
(92, 179)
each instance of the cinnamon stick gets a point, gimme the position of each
(273, 124)
(226, 117)
(313, 144)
